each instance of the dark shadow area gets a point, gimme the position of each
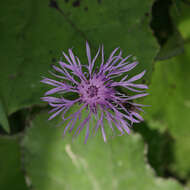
(2, 131)
(160, 151)
(186, 2)
(17, 121)
(161, 22)
(22, 118)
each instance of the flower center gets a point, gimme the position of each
(92, 91)
(95, 91)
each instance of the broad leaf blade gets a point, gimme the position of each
(52, 162)
(169, 98)
(38, 31)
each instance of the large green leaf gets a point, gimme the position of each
(52, 162)
(170, 99)
(35, 32)
(170, 106)
(10, 165)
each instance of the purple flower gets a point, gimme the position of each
(97, 93)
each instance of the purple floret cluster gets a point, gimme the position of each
(95, 84)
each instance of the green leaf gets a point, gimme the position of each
(11, 175)
(3, 118)
(35, 33)
(170, 99)
(170, 106)
(52, 162)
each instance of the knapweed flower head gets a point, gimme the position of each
(96, 85)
